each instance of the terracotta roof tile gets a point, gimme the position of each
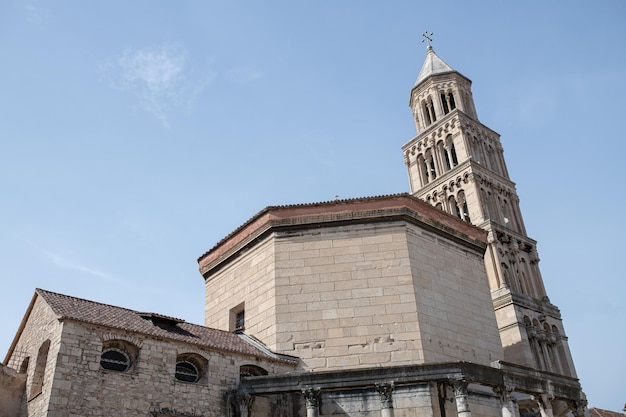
(288, 206)
(315, 212)
(151, 324)
(598, 412)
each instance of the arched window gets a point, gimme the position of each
(429, 111)
(451, 98)
(24, 366)
(531, 333)
(446, 157)
(561, 355)
(527, 277)
(40, 369)
(444, 103)
(251, 370)
(426, 112)
(431, 167)
(463, 206)
(421, 163)
(115, 359)
(118, 355)
(447, 101)
(549, 345)
(506, 218)
(506, 278)
(492, 159)
(539, 345)
(483, 153)
(454, 209)
(431, 107)
(523, 281)
(187, 371)
(474, 149)
(455, 160)
(191, 367)
(485, 204)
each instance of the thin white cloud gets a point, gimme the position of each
(73, 265)
(156, 70)
(161, 78)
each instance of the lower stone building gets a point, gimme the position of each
(426, 304)
(83, 358)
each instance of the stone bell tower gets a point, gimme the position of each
(456, 164)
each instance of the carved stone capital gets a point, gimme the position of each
(385, 389)
(533, 255)
(515, 249)
(311, 397)
(544, 401)
(244, 403)
(459, 387)
(577, 407)
(504, 392)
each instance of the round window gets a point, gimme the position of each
(115, 360)
(187, 371)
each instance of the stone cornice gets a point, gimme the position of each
(486, 175)
(400, 207)
(456, 174)
(526, 302)
(521, 379)
(449, 121)
(490, 225)
(466, 120)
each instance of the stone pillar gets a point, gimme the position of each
(245, 404)
(509, 408)
(446, 148)
(460, 396)
(431, 111)
(578, 408)
(408, 163)
(311, 398)
(432, 142)
(386, 400)
(545, 404)
(460, 204)
(430, 169)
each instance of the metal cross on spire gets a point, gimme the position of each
(427, 37)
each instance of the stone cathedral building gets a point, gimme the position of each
(429, 303)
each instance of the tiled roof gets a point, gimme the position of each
(326, 213)
(289, 206)
(598, 412)
(151, 324)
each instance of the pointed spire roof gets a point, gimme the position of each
(433, 65)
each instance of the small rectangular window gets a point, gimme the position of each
(240, 320)
(237, 318)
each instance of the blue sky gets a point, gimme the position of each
(135, 135)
